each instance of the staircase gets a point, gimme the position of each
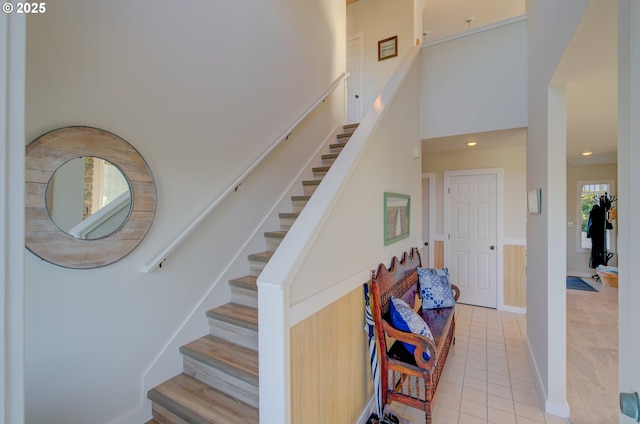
(219, 382)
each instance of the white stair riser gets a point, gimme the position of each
(319, 174)
(335, 149)
(286, 223)
(272, 243)
(310, 189)
(298, 205)
(328, 162)
(239, 335)
(218, 379)
(243, 296)
(256, 267)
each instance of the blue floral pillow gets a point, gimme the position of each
(435, 288)
(405, 319)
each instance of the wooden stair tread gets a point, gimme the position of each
(248, 282)
(344, 135)
(311, 182)
(261, 256)
(234, 313)
(276, 234)
(289, 214)
(337, 145)
(330, 156)
(321, 169)
(224, 355)
(348, 126)
(198, 403)
(300, 198)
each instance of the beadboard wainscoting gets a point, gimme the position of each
(513, 268)
(330, 375)
(438, 254)
(514, 264)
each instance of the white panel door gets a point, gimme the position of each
(472, 253)
(354, 81)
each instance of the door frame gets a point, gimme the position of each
(499, 173)
(431, 177)
(12, 252)
(360, 37)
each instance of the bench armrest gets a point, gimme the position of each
(456, 291)
(422, 344)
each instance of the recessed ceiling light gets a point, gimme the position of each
(587, 153)
(471, 143)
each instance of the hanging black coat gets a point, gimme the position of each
(596, 231)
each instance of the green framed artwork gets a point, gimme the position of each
(396, 217)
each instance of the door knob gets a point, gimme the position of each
(426, 243)
(492, 247)
(357, 97)
(630, 405)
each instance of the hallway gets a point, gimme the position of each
(489, 378)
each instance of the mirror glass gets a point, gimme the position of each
(88, 198)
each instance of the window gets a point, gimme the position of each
(588, 196)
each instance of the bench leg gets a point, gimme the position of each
(427, 413)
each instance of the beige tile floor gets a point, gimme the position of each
(488, 379)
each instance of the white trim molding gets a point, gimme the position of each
(514, 242)
(513, 309)
(12, 204)
(562, 411)
(431, 177)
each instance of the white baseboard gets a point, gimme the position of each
(562, 411)
(581, 274)
(513, 309)
(366, 412)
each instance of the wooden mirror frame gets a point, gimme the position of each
(50, 151)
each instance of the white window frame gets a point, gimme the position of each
(612, 234)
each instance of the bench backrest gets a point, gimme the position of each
(400, 280)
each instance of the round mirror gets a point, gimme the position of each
(88, 198)
(105, 216)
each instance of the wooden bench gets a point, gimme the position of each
(405, 378)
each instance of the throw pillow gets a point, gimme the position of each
(435, 288)
(405, 319)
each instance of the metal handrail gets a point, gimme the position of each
(162, 256)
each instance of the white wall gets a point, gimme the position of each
(475, 82)
(577, 258)
(386, 165)
(550, 27)
(338, 238)
(373, 19)
(200, 91)
(513, 162)
(12, 81)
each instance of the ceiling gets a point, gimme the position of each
(589, 68)
(486, 140)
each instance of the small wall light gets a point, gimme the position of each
(471, 143)
(587, 153)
